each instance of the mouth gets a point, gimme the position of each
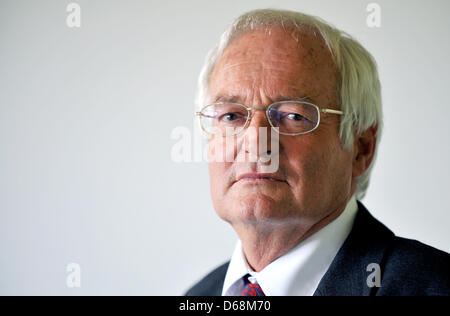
(259, 178)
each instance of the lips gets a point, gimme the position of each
(259, 176)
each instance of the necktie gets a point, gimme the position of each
(251, 289)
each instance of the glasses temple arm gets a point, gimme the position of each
(331, 111)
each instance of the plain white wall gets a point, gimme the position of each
(86, 116)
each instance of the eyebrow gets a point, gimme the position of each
(238, 99)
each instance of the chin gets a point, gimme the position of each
(254, 208)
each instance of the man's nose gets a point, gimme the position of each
(258, 135)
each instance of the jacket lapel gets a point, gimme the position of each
(367, 243)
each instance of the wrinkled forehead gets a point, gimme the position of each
(277, 61)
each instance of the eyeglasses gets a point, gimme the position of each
(286, 117)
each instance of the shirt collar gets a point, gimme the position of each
(299, 271)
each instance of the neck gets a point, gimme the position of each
(266, 242)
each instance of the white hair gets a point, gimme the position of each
(359, 88)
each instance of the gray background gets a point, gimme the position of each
(86, 115)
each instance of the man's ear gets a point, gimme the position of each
(364, 150)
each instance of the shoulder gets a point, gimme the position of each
(407, 267)
(211, 284)
(413, 268)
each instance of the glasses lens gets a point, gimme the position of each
(294, 117)
(224, 118)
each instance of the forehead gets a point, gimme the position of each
(274, 62)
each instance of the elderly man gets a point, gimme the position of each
(301, 228)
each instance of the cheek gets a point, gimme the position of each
(215, 184)
(309, 169)
(222, 149)
(219, 177)
(215, 175)
(302, 160)
(313, 169)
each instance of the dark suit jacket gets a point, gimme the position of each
(407, 267)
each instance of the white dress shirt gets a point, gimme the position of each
(299, 271)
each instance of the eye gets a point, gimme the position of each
(296, 117)
(229, 117)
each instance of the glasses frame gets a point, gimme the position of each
(267, 109)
